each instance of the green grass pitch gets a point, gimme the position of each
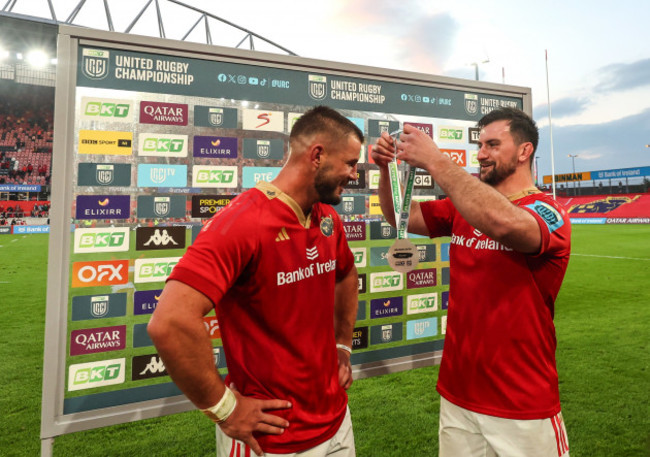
(602, 317)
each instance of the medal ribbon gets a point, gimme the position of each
(401, 204)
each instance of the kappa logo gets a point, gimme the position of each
(317, 87)
(161, 238)
(94, 63)
(148, 238)
(147, 366)
(282, 235)
(312, 253)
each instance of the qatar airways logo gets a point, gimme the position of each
(103, 339)
(163, 113)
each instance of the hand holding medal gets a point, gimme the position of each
(403, 254)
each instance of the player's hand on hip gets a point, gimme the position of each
(345, 369)
(249, 417)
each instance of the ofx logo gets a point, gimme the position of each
(100, 273)
(96, 374)
(213, 176)
(156, 238)
(106, 109)
(104, 142)
(457, 155)
(163, 113)
(154, 270)
(101, 240)
(162, 145)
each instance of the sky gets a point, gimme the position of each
(598, 54)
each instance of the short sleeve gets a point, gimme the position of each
(554, 224)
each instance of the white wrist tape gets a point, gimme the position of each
(222, 410)
(348, 349)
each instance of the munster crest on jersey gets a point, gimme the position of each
(326, 225)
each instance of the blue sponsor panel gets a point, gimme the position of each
(379, 256)
(30, 229)
(359, 122)
(421, 328)
(252, 175)
(386, 307)
(145, 301)
(101, 306)
(5, 230)
(445, 276)
(445, 299)
(19, 188)
(154, 175)
(361, 310)
(140, 336)
(589, 220)
(444, 252)
(103, 207)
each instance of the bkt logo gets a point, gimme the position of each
(359, 257)
(206, 176)
(450, 134)
(100, 273)
(162, 145)
(386, 281)
(154, 270)
(424, 303)
(96, 374)
(106, 108)
(101, 240)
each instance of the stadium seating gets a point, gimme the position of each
(610, 206)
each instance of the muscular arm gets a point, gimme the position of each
(177, 330)
(346, 294)
(482, 206)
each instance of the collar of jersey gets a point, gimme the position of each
(272, 192)
(524, 193)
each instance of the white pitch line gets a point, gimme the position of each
(610, 257)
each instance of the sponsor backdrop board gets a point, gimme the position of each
(154, 138)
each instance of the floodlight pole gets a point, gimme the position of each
(573, 159)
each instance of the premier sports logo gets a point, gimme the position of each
(213, 176)
(206, 206)
(421, 328)
(423, 303)
(386, 281)
(104, 174)
(106, 109)
(96, 374)
(105, 142)
(317, 87)
(162, 145)
(101, 240)
(163, 113)
(94, 63)
(215, 147)
(100, 273)
(157, 238)
(154, 270)
(360, 338)
(93, 340)
(386, 307)
(145, 301)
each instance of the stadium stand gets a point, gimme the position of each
(26, 133)
(609, 206)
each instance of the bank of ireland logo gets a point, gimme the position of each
(94, 63)
(161, 206)
(105, 174)
(317, 87)
(215, 117)
(471, 104)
